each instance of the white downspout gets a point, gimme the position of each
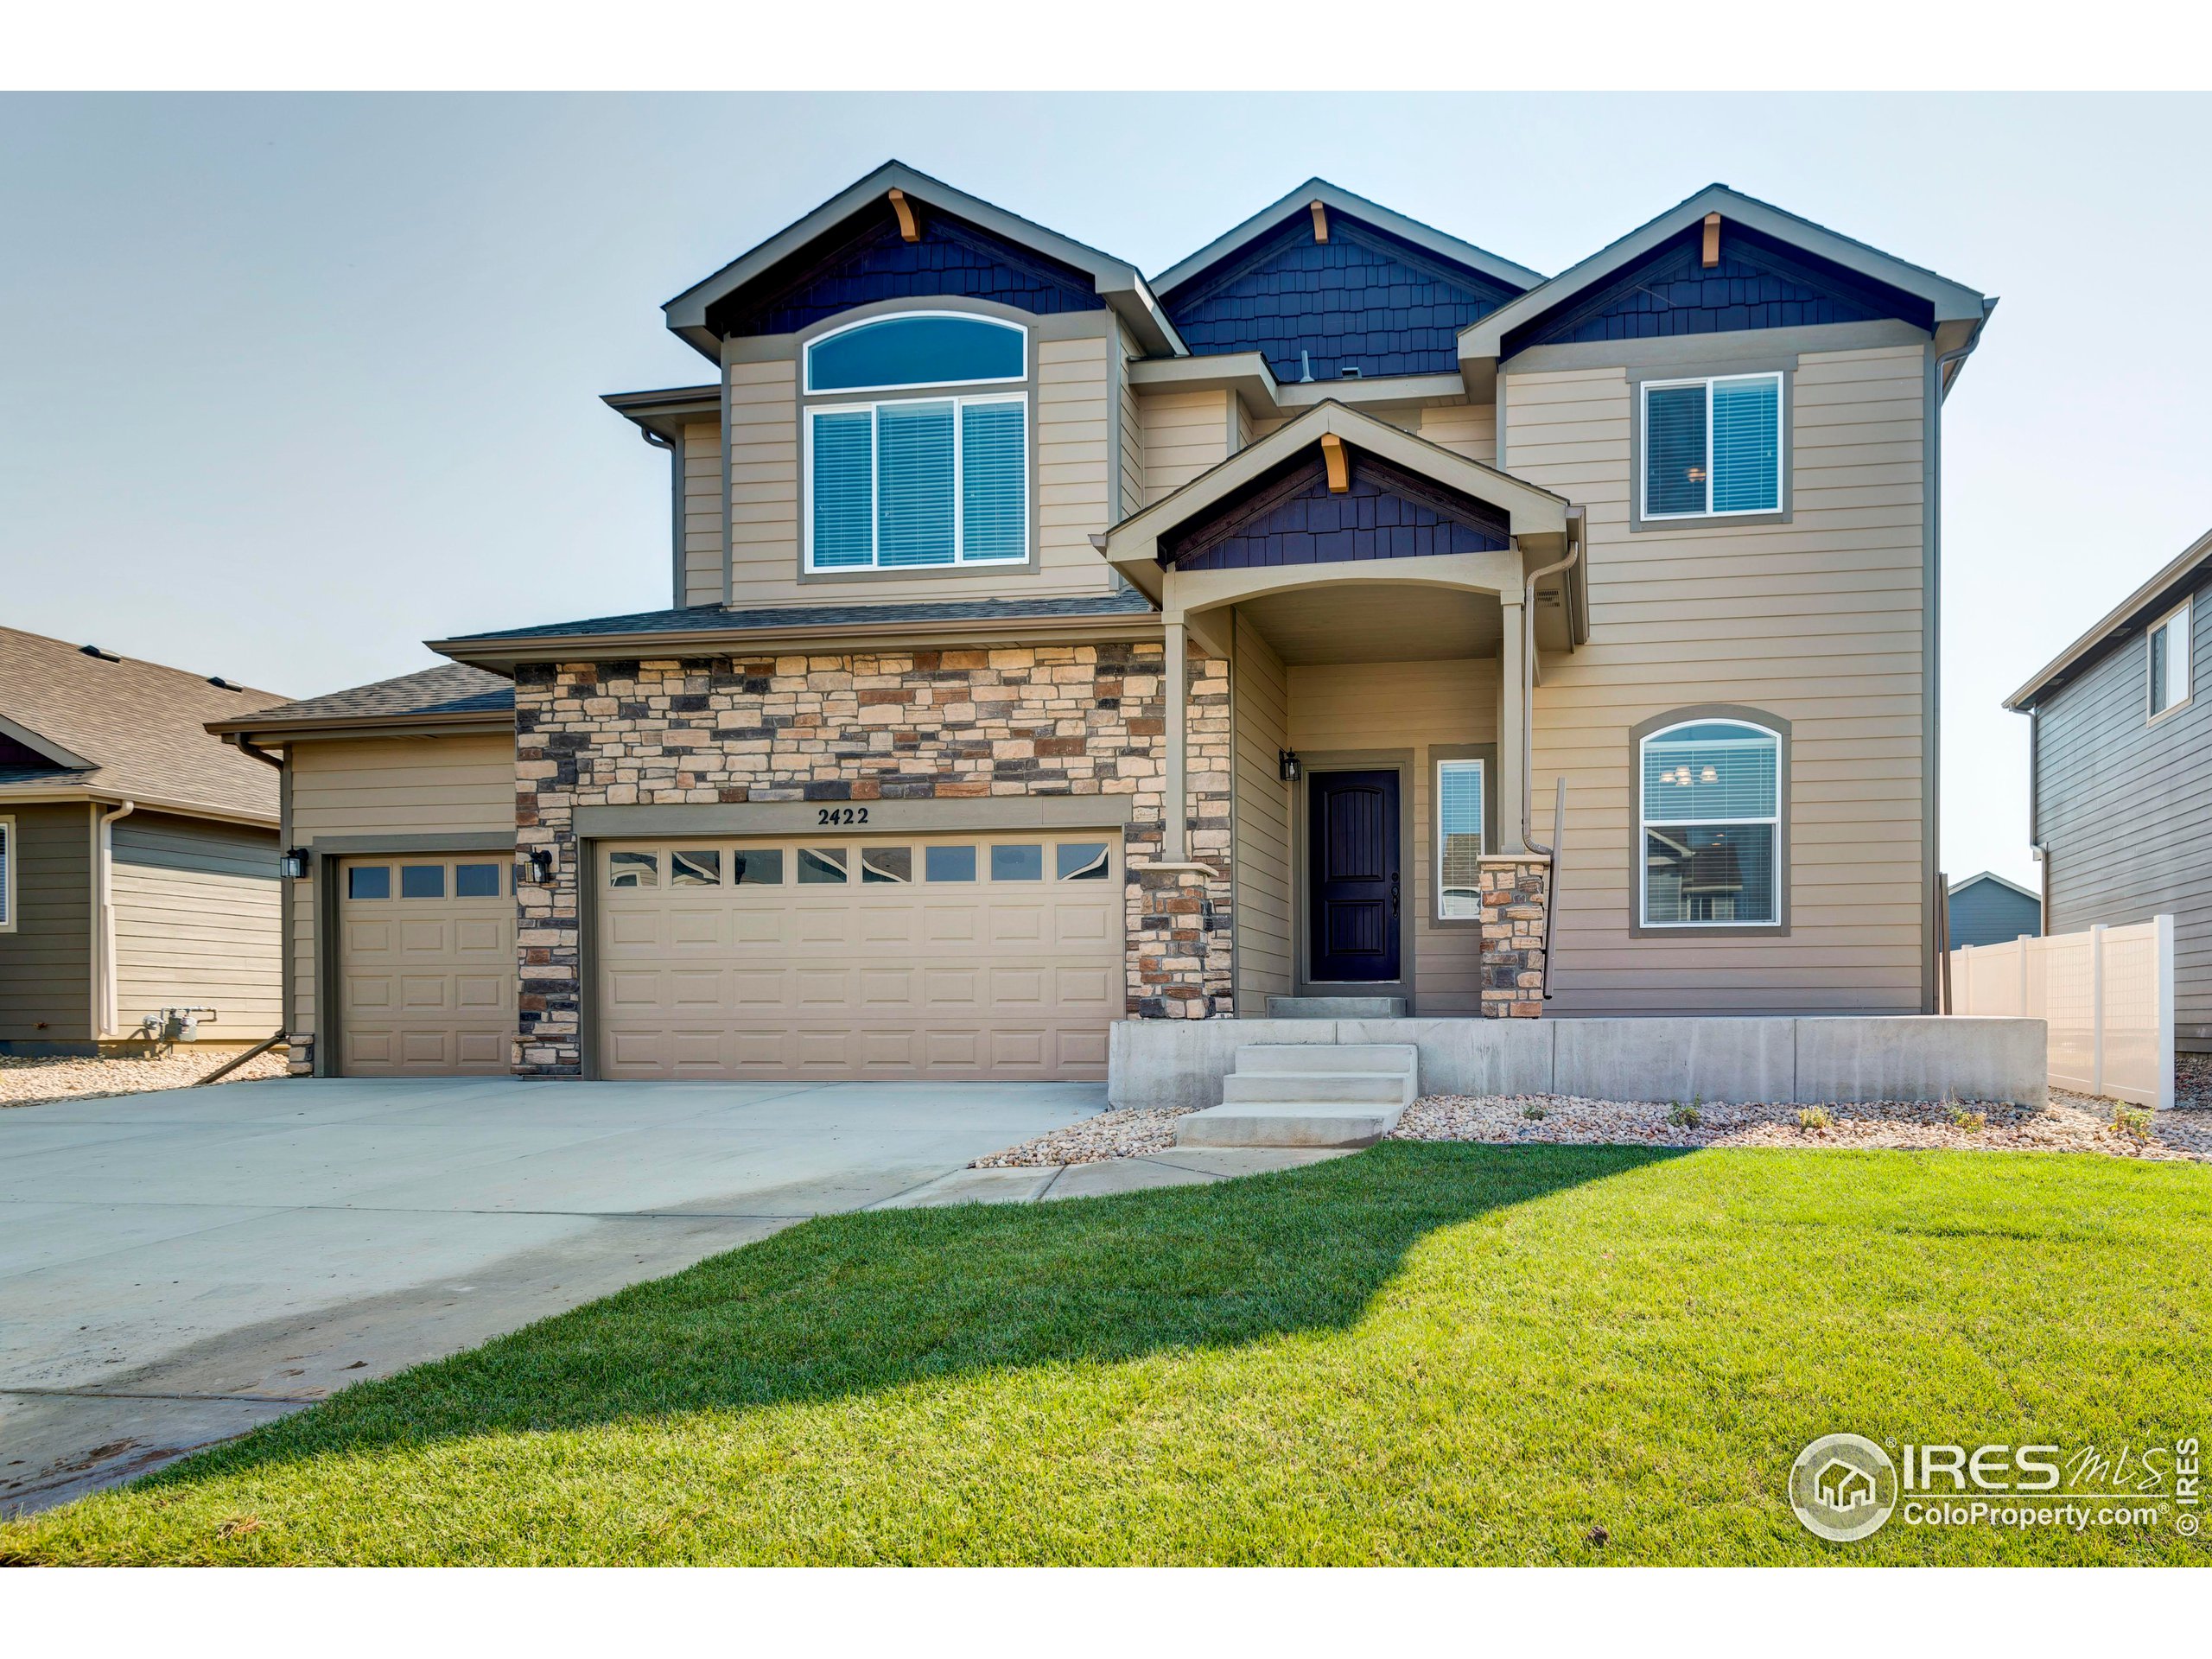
(1575, 534)
(105, 1013)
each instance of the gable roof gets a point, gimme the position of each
(449, 694)
(1134, 546)
(1991, 875)
(122, 729)
(1294, 206)
(1115, 282)
(1957, 311)
(2153, 599)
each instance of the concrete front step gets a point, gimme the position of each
(1336, 1008)
(1276, 1058)
(1307, 1123)
(1290, 1088)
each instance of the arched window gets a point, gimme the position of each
(1711, 792)
(904, 481)
(925, 348)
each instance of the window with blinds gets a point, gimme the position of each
(1458, 838)
(1713, 447)
(7, 875)
(924, 482)
(1712, 802)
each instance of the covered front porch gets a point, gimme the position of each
(1355, 618)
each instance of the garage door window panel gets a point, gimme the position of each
(634, 869)
(757, 867)
(1081, 861)
(1021, 862)
(700, 867)
(951, 863)
(886, 864)
(368, 881)
(822, 866)
(422, 881)
(476, 881)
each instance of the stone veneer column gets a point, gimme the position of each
(1180, 921)
(1516, 890)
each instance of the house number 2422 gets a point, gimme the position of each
(841, 815)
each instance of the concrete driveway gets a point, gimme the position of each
(177, 1268)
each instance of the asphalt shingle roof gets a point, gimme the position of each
(712, 620)
(448, 689)
(142, 725)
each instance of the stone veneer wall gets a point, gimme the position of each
(1515, 892)
(1044, 719)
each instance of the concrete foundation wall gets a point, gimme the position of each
(1721, 1061)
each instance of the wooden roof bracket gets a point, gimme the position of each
(1712, 240)
(1320, 220)
(909, 229)
(1337, 462)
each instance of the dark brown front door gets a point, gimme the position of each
(1352, 876)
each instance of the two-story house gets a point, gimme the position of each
(2119, 776)
(1049, 646)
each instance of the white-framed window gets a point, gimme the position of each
(1711, 446)
(1711, 823)
(1459, 838)
(931, 479)
(7, 875)
(2169, 661)
(917, 483)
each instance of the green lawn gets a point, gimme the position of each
(1420, 1354)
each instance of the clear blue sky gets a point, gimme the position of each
(289, 384)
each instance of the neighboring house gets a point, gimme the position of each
(1986, 909)
(1049, 646)
(2119, 776)
(137, 855)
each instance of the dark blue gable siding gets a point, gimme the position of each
(953, 258)
(1989, 912)
(1293, 519)
(1362, 300)
(1758, 283)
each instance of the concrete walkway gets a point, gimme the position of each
(177, 1268)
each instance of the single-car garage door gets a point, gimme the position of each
(426, 966)
(990, 957)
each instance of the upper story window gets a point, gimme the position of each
(918, 480)
(930, 348)
(2169, 661)
(1712, 446)
(1712, 817)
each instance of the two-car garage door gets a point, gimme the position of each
(979, 956)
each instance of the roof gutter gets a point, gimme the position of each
(243, 731)
(43, 795)
(2197, 553)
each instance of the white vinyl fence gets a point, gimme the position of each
(2105, 998)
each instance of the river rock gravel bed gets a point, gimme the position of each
(1095, 1141)
(2069, 1123)
(31, 1080)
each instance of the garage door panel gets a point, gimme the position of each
(427, 982)
(966, 965)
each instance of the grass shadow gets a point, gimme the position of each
(858, 1304)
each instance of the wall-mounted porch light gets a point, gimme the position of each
(535, 868)
(292, 863)
(1286, 764)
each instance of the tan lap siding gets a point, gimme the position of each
(390, 787)
(1367, 707)
(1469, 429)
(764, 481)
(1817, 620)
(1259, 717)
(702, 513)
(197, 925)
(1185, 433)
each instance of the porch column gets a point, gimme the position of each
(1175, 847)
(1512, 722)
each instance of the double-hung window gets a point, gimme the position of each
(1712, 825)
(2169, 661)
(7, 875)
(1458, 838)
(1712, 446)
(918, 474)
